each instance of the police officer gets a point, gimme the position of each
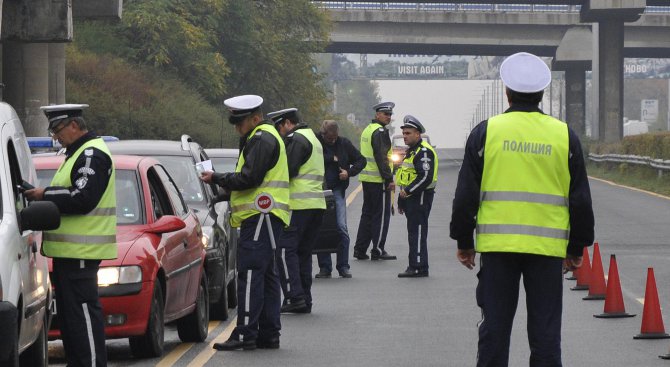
(83, 188)
(259, 195)
(523, 186)
(377, 179)
(307, 204)
(417, 178)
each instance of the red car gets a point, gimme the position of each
(158, 276)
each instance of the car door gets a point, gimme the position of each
(175, 261)
(193, 244)
(32, 276)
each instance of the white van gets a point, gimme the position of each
(25, 290)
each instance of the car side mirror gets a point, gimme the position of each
(166, 223)
(40, 216)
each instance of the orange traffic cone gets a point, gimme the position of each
(583, 273)
(652, 320)
(597, 287)
(614, 306)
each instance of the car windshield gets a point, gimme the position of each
(128, 207)
(224, 164)
(182, 170)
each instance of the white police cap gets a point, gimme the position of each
(55, 113)
(525, 73)
(384, 107)
(243, 105)
(413, 122)
(279, 116)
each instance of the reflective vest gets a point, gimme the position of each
(275, 183)
(307, 187)
(371, 171)
(525, 186)
(90, 236)
(407, 174)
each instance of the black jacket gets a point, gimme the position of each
(89, 176)
(349, 159)
(466, 198)
(260, 153)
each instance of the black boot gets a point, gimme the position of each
(234, 344)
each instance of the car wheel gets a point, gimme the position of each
(219, 309)
(37, 354)
(13, 358)
(232, 292)
(194, 326)
(151, 343)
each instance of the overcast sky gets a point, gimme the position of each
(444, 107)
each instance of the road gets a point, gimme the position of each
(377, 319)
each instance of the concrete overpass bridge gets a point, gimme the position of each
(579, 35)
(33, 36)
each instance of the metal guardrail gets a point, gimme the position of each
(659, 164)
(455, 7)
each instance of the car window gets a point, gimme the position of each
(20, 201)
(226, 164)
(182, 169)
(128, 200)
(172, 191)
(160, 201)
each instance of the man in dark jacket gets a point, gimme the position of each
(342, 161)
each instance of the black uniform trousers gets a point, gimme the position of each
(258, 291)
(79, 312)
(417, 210)
(294, 254)
(498, 295)
(375, 215)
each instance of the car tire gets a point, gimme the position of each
(151, 343)
(232, 292)
(219, 310)
(194, 326)
(37, 355)
(13, 359)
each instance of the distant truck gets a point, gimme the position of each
(398, 149)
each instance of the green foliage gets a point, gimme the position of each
(654, 145)
(133, 102)
(192, 55)
(630, 175)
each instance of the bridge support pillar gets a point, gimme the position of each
(25, 70)
(56, 73)
(610, 80)
(575, 99)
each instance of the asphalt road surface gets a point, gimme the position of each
(377, 319)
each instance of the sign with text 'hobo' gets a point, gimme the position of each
(649, 110)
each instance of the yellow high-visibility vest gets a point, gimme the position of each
(406, 174)
(275, 183)
(307, 187)
(90, 236)
(525, 186)
(371, 171)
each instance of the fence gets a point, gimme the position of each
(446, 6)
(659, 164)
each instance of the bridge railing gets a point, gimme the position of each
(455, 7)
(659, 164)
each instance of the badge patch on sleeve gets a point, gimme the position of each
(81, 182)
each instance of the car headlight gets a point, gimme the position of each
(206, 236)
(395, 157)
(119, 275)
